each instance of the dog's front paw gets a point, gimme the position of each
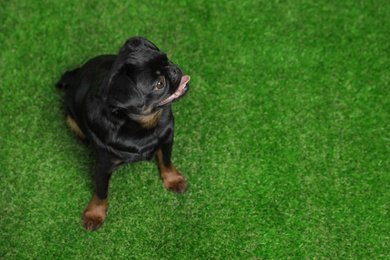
(92, 221)
(94, 214)
(175, 182)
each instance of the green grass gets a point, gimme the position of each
(283, 138)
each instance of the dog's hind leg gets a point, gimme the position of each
(73, 125)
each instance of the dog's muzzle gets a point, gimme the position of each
(179, 93)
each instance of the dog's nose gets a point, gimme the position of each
(174, 70)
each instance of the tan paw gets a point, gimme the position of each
(176, 183)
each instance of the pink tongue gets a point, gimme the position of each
(180, 90)
(184, 80)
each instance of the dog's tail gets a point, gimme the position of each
(67, 79)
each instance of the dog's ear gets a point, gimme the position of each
(123, 93)
(135, 44)
(129, 54)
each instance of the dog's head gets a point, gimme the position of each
(143, 79)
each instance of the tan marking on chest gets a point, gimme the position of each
(150, 121)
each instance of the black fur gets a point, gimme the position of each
(122, 105)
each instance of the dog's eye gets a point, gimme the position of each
(160, 83)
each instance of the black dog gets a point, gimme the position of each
(122, 105)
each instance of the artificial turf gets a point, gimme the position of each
(283, 137)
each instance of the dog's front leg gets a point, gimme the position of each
(95, 213)
(172, 178)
